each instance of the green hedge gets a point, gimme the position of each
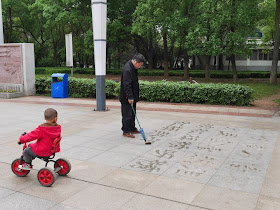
(157, 72)
(182, 92)
(178, 92)
(77, 87)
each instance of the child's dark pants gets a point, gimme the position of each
(28, 155)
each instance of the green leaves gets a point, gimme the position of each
(184, 92)
(190, 27)
(164, 91)
(77, 87)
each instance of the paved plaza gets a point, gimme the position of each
(201, 157)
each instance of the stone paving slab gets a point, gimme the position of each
(62, 190)
(222, 198)
(22, 201)
(99, 197)
(197, 160)
(174, 189)
(268, 203)
(152, 203)
(87, 171)
(128, 180)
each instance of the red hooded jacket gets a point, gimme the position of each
(45, 134)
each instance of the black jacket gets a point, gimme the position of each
(129, 83)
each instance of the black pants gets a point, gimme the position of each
(128, 118)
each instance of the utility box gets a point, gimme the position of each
(59, 85)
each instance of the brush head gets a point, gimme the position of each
(144, 137)
(143, 134)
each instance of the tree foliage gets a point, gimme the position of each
(165, 31)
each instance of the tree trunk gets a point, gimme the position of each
(232, 57)
(186, 69)
(93, 62)
(233, 67)
(165, 55)
(150, 53)
(215, 63)
(201, 62)
(176, 65)
(87, 60)
(119, 59)
(55, 55)
(221, 63)
(107, 56)
(193, 62)
(273, 74)
(10, 26)
(207, 67)
(171, 54)
(109, 60)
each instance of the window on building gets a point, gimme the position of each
(270, 56)
(261, 55)
(254, 55)
(241, 57)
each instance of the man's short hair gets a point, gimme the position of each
(50, 114)
(139, 58)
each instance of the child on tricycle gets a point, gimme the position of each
(47, 144)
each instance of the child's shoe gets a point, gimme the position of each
(25, 166)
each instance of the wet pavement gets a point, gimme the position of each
(201, 157)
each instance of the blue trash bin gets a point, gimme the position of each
(59, 85)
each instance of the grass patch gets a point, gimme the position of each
(278, 102)
(262, 89)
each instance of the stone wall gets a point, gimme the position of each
(17, 68)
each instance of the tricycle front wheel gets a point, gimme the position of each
(16, 170)
(46, 176)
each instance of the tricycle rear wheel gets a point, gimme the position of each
(66, 166)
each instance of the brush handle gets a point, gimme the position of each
(141, 130)
(135, 116)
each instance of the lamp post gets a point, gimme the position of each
(1, 25)
(99, 16)
(69, 51)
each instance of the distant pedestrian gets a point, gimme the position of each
(192, 81)
(129, 94)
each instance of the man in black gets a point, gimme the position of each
(129, 94)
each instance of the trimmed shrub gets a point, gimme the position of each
(182, 92)
(165, 91)
(77, 87)
(43, 85)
